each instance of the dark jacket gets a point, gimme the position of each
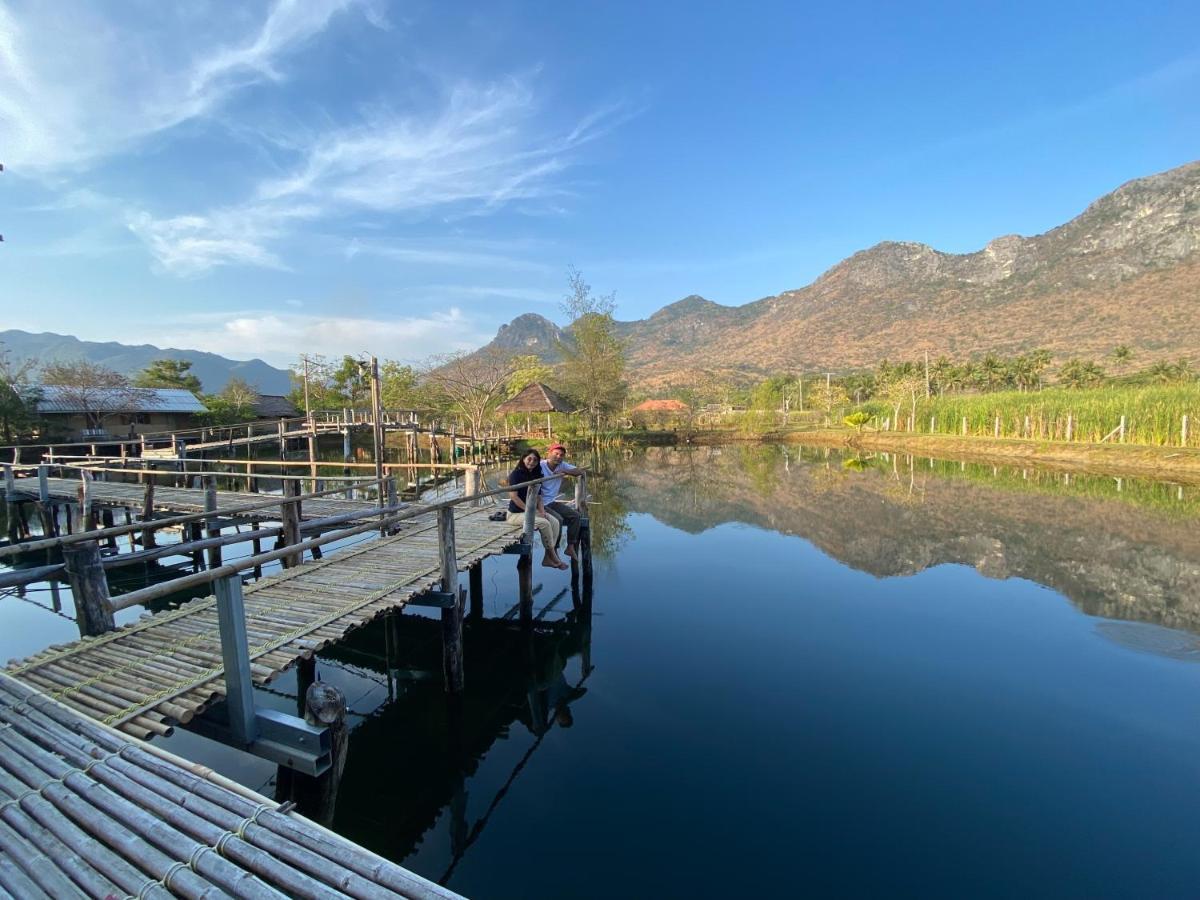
(520, 475)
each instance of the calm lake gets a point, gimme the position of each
(795, 672)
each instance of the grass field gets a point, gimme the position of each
(1153, 415)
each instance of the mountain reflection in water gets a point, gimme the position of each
(1126, 549)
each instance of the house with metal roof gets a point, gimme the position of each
(93, 413)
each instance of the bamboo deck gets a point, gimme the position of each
(191, 500)
(166, 668)
(85, 812)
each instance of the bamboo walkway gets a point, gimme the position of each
(86, 812)
(166, 668)
(191, 500)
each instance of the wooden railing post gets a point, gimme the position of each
(212, 527)
(89, 587)
(452, 616)
(290, 515)
(581, 494)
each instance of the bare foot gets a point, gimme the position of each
(553, 562)
(571, 551)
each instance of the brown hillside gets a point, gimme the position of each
(1125, 271)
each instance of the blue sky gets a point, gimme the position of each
(340, 176)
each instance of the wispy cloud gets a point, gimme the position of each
(279, 337)
(481, 150)
(76, 87)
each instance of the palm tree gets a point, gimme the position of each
(1122, 353)
(1162, 372)
(1077, 373)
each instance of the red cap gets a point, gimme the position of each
(556, 447)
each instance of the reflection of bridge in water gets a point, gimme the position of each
(409, 760)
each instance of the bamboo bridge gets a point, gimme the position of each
(197, 665)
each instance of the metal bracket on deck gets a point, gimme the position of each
(287, 740)
(438, 599)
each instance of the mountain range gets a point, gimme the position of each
(1124, 271)
(213, 371)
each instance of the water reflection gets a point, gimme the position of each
(1117, 548)
(411, 759)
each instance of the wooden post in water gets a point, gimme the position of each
(525, 563)
(1121, 430)
(45, 507)
(290, 516)
(148, 513)
(1183, 431)
(89, 587)
(212, 527)
(452, 616)
(83, 494)
(10, 503)
(1070, 424)
(585, 527)
(964, 426)
(475, 577)
(996, 431)
(322, 706)
(107, 521)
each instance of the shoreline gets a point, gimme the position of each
(1137, 460)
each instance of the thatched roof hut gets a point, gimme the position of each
(537, 398)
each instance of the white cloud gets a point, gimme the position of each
(280, 337)
(77, 87)
(480, 151)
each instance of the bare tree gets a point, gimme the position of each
(94, 390)
(472, 384)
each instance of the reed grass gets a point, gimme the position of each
(1153, 414)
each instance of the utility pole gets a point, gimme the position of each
(377, 428)
(307, 405)
(926, 374)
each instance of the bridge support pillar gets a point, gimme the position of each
(452, 616)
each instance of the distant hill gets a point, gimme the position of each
(1125, 271)
(212, 370)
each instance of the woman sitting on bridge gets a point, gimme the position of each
(529, 469)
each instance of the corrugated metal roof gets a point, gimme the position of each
(56, 399)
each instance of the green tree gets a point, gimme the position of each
(233, 403)
(400, 386)
(594, 366)
(18, 397)
(168, 373)
(527, 370)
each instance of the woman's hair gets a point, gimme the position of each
(531, 452)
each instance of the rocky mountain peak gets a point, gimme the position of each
(530, 333)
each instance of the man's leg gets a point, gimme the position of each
(570, 518)
(558, 517)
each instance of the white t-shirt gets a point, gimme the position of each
(552, 488)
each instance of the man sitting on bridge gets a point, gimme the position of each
(568, 516)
